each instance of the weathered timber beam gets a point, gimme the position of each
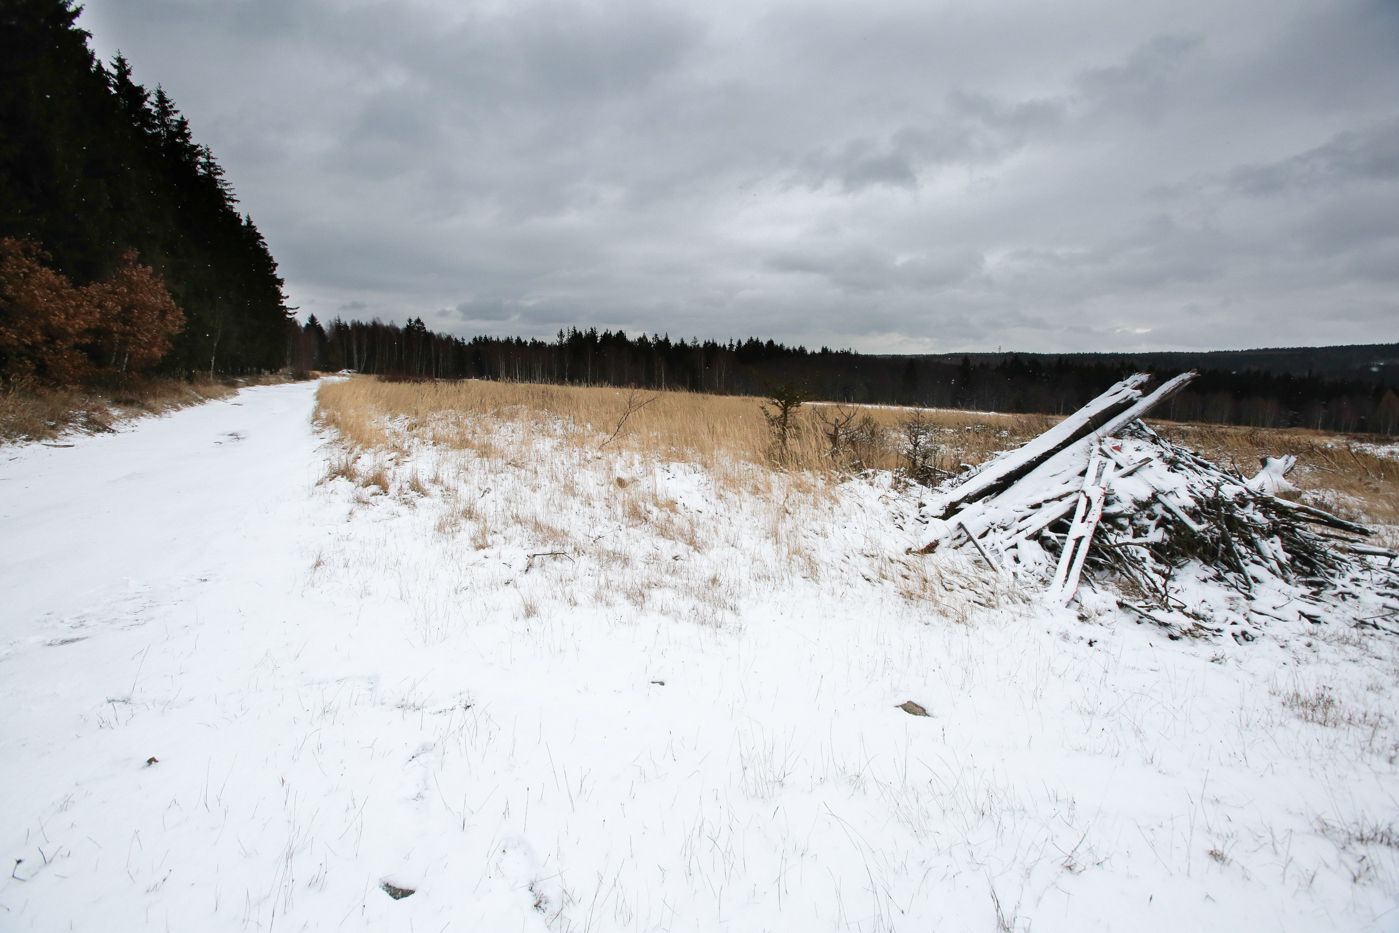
(1140, 409)
(1006, 469)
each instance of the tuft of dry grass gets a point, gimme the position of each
(376, 477)
(1362, 833)
(340, 466)
(415, 486)
(42, 414)
(368, 473)
(1321, 707)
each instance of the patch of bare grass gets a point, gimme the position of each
(728, 435)
(42, 414)
(714, 431)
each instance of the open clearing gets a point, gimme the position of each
(261, 675)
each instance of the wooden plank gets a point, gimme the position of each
(1086, 517)
(1006, 469)
(1125, 467)
(1139, 410)
(1046, 515)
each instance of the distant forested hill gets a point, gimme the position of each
(1375, 362)
(103, 183)
(1339, 388)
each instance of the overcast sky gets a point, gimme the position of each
(892, 177)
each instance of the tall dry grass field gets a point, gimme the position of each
(721, 432)
(711, 430)
(667, 502)
(610, 495)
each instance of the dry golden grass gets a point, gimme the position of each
(41, 414)
(1319, 705)
(1354, 482)
(46, 413)
(711, 430)
(675, 509)
(719, 432)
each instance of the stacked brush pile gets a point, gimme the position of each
(1101, 499)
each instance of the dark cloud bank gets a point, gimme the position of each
(886, 176)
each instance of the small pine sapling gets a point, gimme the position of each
(780, 411)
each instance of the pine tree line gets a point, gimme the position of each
(99, 174)
(1008, 383)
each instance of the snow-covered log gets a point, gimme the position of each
(1001, 472)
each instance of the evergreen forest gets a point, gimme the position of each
(122, 247)
(1334, 388)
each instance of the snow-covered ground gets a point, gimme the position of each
(1387, 451)
(553, 689)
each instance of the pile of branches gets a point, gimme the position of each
(1178, 541)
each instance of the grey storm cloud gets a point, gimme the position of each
(1362, 156)
(891, 176)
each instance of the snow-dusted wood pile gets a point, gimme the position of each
(1174, 538)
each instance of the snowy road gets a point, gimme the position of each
(138, 568)
(200, 492)
(240, 699)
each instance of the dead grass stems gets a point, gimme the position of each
(724, 432)
(42, 414)
(594, 473)
(1320, 706)
(714, 431)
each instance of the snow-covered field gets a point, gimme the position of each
(552, 688)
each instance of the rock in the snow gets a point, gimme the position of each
(396, 892)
